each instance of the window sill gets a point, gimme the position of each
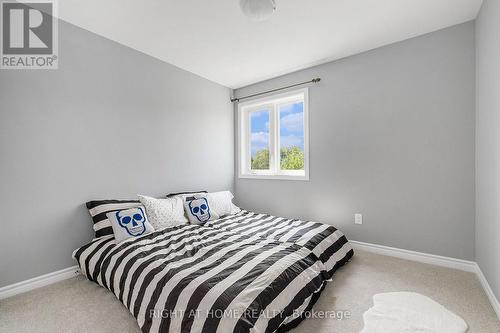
(274, 177)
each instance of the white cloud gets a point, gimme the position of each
(259, 141)
(291, 140)
(293, 122)
(260, 138)
(288, 108)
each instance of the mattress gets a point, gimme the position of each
(216, 278)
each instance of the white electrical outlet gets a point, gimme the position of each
(358, 218)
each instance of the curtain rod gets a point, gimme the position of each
(237, 99)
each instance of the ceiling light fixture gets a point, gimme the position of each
(258, 10)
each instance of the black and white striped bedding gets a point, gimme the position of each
(327, 243)
(98, 210)
(193, 278)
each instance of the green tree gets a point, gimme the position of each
(261, 160)
(292, 158)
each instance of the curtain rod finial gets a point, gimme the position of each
(316, 80)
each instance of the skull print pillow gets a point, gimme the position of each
(198, 209)
(129, 223)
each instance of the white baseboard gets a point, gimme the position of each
(39, 281)
(427, 258)
(487, 289)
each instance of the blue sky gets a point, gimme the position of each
(291, 131)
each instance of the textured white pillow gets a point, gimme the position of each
(163, 213)
(221, 203)
(235, 209)
(129, 223)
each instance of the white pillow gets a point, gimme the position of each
(198, 209)
(129, 223)
(221, 203)
(164, 213)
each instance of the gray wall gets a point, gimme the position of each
(109, 123)
(488, 143)
(392, 137)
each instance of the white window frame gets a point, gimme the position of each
(244, 136)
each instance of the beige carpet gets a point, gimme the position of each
(77, 305)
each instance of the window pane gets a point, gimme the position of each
(292, 136)
(259, 142)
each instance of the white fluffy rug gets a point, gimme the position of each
(410, 312)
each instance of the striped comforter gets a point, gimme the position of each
(238, 275)
(327, 243)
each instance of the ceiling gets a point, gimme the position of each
(215, 40)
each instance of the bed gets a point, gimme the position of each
(235, 274)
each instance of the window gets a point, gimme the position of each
(273, 137)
